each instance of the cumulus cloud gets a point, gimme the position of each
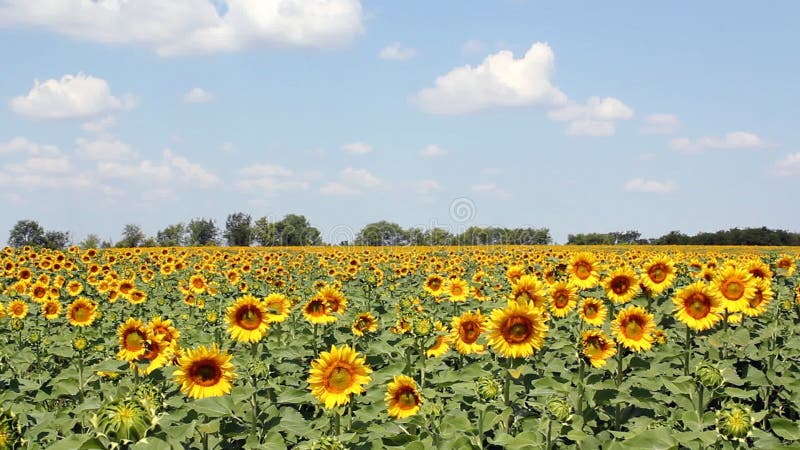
(351, 182)
(60, 164)
(337, 189)
(731, 141)
(788, 165)
(172, 167)
(594, 118)
(100, 125)
(491, 189)
(194, 26)
(660, 124)
(432, 151)
(642, 185)
(269, 180)
(499, 81)
(357, 148)
(23, 145)
(396, 52)
(104, 149)
(73, 96)
(198, 95)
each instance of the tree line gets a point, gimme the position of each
(294, 230)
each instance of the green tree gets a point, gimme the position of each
(294, 230)
(172, 236)
(202, 232)
(264, 233)
(91, 241)
(132, 236)
(56, 240)
(238, 231)
(381, 233)
(26, 232)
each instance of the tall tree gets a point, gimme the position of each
(132, 236)
(172, 236)
(294, 230)
(91, 241)
(381, 233)
(238, 231)
(26, 232)
(56, 240)
(202, 232)
(264, 232)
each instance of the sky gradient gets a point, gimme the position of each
(588, 117)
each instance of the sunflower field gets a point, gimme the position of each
(512, 347)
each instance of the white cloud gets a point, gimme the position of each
(194, 26)
(432, 151)
(336, 189)
(198, 95)
(23, 145)
(190, 172)
(731, 141)
(358, 148)
(788, 165)
(36, 181)
(426, 188)
(396, 52)
(499, 81)
(104, 149)
(100, 125)
(642, 185)
(173, 167)
(595, 118)
(660, 124)
(72, 96)
(270, 179)
(41, 165)
(472, 46)
(359, 177)
(491, 189)
(265, 170)
(228, 147)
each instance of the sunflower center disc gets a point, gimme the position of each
(207, 374)
(81, 314)
(634, 330)
(620, 285)
(657, 273)
(698, 306)
(518, 330)
(733, 290)
(250, 319)
(469, 332)
(134, 341)
(340, 379)
(407, 400)
(583, 270)
(561, 299)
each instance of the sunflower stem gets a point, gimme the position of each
(314, 338)
(700, 408)
(687, 351)
(549, 441)
(507, 393)
(581, 388)
(724, 335)
(618, 408)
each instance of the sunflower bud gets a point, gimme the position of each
(734, 421)
(79, 344)
(17, 325)
(487, 387)
(709, 375)
(328, 443)
(423, 327)
(560, 408)
(123, 421)
(211, 317)
(34, 337)
(259, 369)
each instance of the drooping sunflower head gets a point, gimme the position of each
(529, 289)
(597, 347)
(403, 398)
(133, 340)
(163, 328)
(621, 285)
(517, 330)
(658, 274)
(364, 323)
(337, 374)
(633, 328)
(205, 372)
(247, 319)
(764, 294)
(563, 298)
(277, 307)
(697, 306)
(735, 287)
(759, 269)
(465, 331)
(583, 270)
(160, 353)
(316, 312)
(81, 312)
(593, 311)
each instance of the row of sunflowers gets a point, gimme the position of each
(412, 347)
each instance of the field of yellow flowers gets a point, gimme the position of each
(405, 347)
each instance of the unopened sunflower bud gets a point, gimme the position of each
(328, 443)
(560, 408)
(123, 420)
(423, 327)
(17, 325)
(259, 369)
(734, 421)
(709, 375)
(79, 344)
(487, 387)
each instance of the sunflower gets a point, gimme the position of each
(316, 312)
(133, 340)
(247, 319)
(74, 288)
(621, 285)
(197, 283)
(17, 309)
(514, 272)
(277, 307)
(763, 296)
(659, 274)
(81, 312)
(163, 329)
(697, 306)
(39, 292)
(433, 285)
(563, 298)
(136, 297)
(456, 290)
(786, 264)
(364, 323)
(2, 311)
(51, 309)
(204, 372)
(597, 347)
(517, 330)
(633, 328)
(466, 329)
(529, 288)
(583, 271)
(337, 374)
(403, 398)
(334, 299)
(159, 353)
(735, 287)
(593, 311)
(759, 269)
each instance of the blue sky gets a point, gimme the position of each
(575, 117)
